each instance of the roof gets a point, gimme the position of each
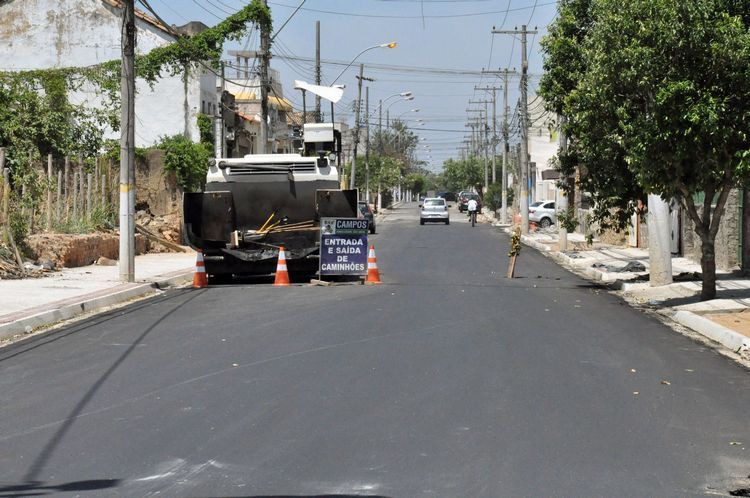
(281, 104)
(118, 4)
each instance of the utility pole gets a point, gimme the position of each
(483, 135)
(318, 117)
(127, 146)
(524, 118)
(360, 78)
(219, 118)
(380, 127)
(265, 57)
(367, 144)
(493, 89)
(562, 201)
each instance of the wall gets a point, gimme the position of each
(40, 34)
(727, 239)
(156, 188)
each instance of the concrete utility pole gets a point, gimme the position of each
(562, 200)
(265, 56)
(367, 144)
(506, 145)
(659, 241)
(493, 89)
(524, 199)
(318, 117)
(127, 146)
(380, 127)
(219, 118)
(485, 143)
(356, 126)
(746, 229)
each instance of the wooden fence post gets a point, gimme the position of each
(66, 182)
(104, 192)
(58, 205)
(88, 196)
(49, 192)
(75, 196)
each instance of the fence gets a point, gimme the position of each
(64, 195)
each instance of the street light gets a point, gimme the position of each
(403, 95)
(382, 45)
(410, 110)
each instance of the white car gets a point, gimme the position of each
(543, 213)
(434, 209)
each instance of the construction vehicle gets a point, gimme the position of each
(253, 205)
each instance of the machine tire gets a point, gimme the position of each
(545, 223)
(447, 222)
(421, 221)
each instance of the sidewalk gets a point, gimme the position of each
(37, 302)
(725, 320)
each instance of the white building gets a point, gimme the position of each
(42, 34)
(542, 148)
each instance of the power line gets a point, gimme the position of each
(435, 16)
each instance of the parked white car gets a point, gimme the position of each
(434, 209)
(543, 213)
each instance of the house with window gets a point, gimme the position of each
(45, 34)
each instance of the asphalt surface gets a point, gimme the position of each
(448, 380)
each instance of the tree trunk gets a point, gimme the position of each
(708, 268)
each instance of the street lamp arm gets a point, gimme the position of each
(382, 45)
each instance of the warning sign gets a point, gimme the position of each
(343, 246)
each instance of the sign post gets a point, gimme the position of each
(343, 246)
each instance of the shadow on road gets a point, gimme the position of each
(37, 488)
(30, 482)
(315, 496)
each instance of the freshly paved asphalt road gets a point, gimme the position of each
(447, 381)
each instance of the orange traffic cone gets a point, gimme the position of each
(282, 275)
(373, 276)
(200, 279)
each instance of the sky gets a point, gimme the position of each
(442, 48)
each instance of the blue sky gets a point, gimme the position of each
(436, 34)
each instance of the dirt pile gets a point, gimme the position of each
(74, 250)
(166, 227)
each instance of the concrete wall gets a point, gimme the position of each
(40, 34)
(727, 239)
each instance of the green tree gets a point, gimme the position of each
(188, 160)
(595, 153)
(662, 96)
(462, 174)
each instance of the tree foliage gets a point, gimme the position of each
(188, 160)
(462, 174)
(657, 101)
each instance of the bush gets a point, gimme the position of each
(493, 198)
(188, 160)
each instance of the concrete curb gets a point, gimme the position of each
(70, 310)
(724, 336)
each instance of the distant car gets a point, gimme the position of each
(448, 196)
(463, 201)
(543, 213)
(434, 209)
(366, 212)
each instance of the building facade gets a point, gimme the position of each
(46, 34)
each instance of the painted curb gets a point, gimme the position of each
(68, 311)
(724, 336)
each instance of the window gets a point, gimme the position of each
(550, 205)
